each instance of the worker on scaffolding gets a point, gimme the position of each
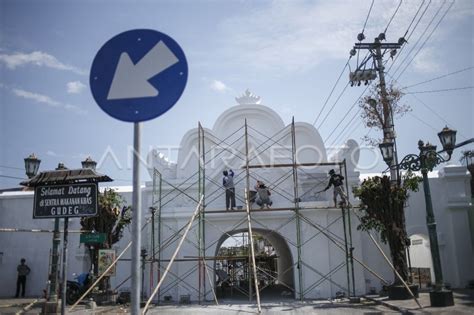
(263, 195)
(336, 180)
(228, 183)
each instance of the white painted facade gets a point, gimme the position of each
(449, 187)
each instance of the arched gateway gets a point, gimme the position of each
(310, 237)
(275, 264)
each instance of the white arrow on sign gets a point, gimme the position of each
(131, 80)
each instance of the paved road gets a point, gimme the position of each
(464, 304)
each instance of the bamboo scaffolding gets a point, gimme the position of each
(191, 220)
(296, 208)
(106, 270)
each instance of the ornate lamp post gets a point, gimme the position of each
(468, 158)
(425, 161)
(32, 164)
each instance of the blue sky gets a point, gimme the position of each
(288, 52)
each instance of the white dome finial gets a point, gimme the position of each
(248, 98)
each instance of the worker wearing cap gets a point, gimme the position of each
(336, 180)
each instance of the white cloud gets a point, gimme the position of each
(51, 153)
(219, 86)
(37, 58)
(298, 35)
(75, 87)
(426, 61)
(39, 98)
(44, 99)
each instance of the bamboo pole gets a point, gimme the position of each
(191, 220)
(393, 268)
(252, 251)
(199, 236)
(341, 248)
(210, 282)
(296, 205)
(101, 276)
(249, 223)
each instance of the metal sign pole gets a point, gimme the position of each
(136, 223)
(64, 271)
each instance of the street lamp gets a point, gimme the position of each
(89, 163)
(425, 161)
(447, 137)
(32, 164)
(386, 148)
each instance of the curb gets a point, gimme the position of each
(15, 305)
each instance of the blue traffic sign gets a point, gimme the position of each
(138, 75)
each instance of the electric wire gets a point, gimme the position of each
(350, 109)
(13, 168)
(437, 78)
(421, 36)
(344, 130)
(367, 18)
(391, 19)
(421, 16)
(363, 29)
(332, 91)
(429, 36)
(447, 123)
(441, 90)
(409, 36)
(414, 17)
(12, 177)
(430, 109)
(333, 105)
(423, 122)
(340, 95)
(348, 127)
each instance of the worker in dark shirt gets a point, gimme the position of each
(336, 180)
(23, 271)
(228, 183)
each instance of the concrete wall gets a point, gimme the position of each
(319, 254)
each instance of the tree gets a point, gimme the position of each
(372, 109)
(382, 207)
(113, 216)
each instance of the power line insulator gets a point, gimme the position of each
(402, 40)
(381, 36)
(360, 37)
(352, 52)
(393, 52)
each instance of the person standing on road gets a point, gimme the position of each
(23, 271)
(228, 183)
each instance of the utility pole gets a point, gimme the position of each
(375, 50)
(52, 306)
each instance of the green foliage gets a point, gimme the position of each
(382, 204)
(382, 207)
(113, 216)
